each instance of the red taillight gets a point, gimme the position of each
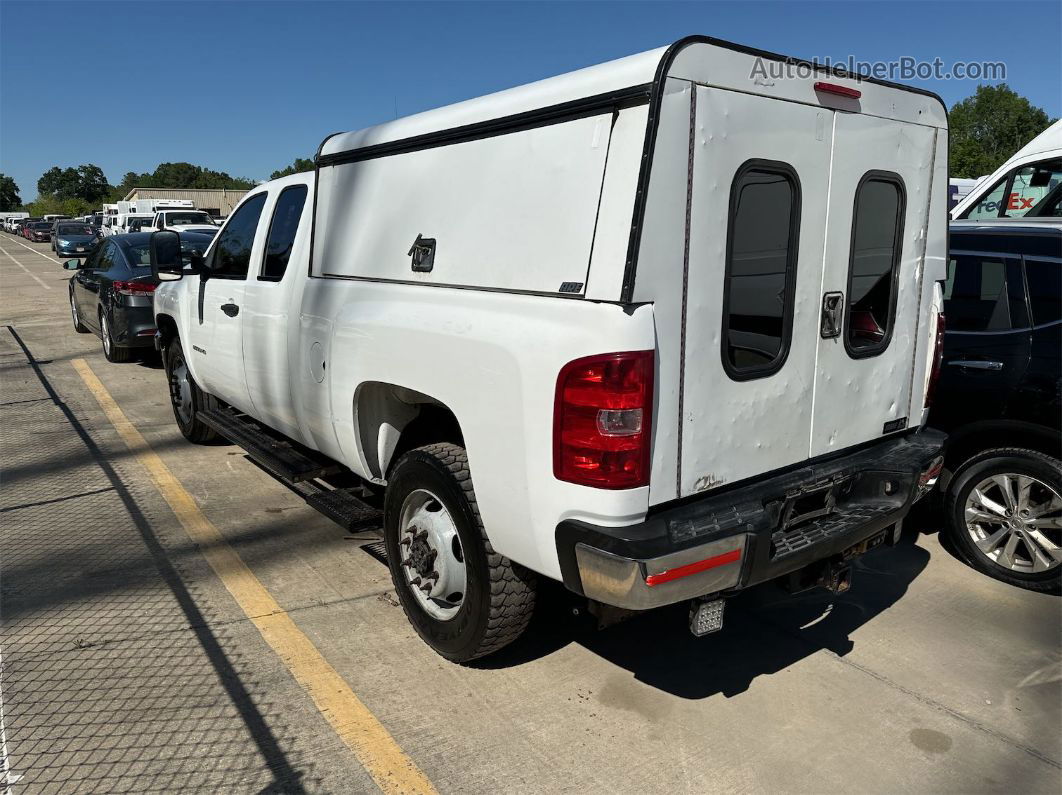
(938, 355)
(839, 90)
(133, 288)
(602, 420)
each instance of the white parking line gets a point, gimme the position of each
(30, 248)
(27, 270)
(7, 778)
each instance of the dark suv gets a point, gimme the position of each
(998, 398)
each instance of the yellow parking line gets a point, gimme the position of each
(372, 744)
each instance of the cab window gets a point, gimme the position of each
(282, 230)
(232, 254)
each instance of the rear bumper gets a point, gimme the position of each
(133, 326)
(751, 533)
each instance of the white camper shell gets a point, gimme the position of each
(677, 319)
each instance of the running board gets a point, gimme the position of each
(342, 506)
(284, 458)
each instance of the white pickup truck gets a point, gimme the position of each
(660, 329)
(184, 221)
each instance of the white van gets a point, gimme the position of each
(659, 329)
(1028, 185)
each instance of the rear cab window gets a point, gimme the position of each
(760, 276)
(283, 227)
(877, 237)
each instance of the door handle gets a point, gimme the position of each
(976, 364)
(831, 315)
(230, 309)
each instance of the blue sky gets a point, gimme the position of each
(245, 87)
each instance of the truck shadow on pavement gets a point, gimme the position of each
(766, 630)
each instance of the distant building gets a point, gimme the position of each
(215, 201)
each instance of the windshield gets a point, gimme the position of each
(183, 219)
(75, 229)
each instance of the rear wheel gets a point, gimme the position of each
(114, 352)
(186, 397)
(463, 598)
(1003, 511)
(79, 327)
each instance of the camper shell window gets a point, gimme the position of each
(877, 238)
(761, 262)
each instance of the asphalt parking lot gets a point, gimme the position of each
(239, 641)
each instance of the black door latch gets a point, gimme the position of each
(831, 315)
(423, 253)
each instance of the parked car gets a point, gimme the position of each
(651, 415)
(38, 231)
(111, 292)
(73, 239)
(183, 220)
(998, 398)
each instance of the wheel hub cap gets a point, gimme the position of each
(1015, 521)
(432, 558)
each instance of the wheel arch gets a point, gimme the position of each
(969, 440)
(390, 420)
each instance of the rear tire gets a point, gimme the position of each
(79, 327)
(112, 351)
(499, 595)
(1009, 537)
(186, 398)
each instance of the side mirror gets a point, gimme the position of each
(165, 253)
(72, 264)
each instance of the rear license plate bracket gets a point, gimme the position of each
(865, 545)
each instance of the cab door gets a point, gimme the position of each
(269, 332)
(217, 326)
(880, 176)
(759, 188)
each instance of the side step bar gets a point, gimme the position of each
(280, 456)
(297, 467)
(342, 506)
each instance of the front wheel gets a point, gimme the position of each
(1003, 511)
(186, 397)
(463, 598)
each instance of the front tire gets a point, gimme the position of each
(1003, 512)
(186, 398)
(463, 598)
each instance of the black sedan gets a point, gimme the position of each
(111, 294)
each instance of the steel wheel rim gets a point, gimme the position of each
(181, 390)
(432, 558)
(1015, 521)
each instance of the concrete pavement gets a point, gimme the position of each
(127, 666)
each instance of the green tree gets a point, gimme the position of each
(86, 182)
(47, 205)
(989, 127)
(9, 198)
(300, 165)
